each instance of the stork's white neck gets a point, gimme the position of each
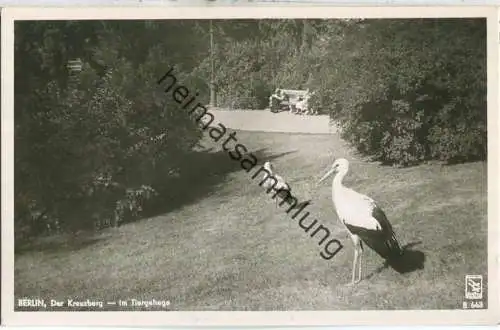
(337, 181)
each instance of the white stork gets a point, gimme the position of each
(281, 186)
(364, 220)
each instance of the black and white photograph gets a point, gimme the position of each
(286, 162)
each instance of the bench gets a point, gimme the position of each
(286, 99)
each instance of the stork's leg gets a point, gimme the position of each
(354, 262)
(360, 262)
(358, 249)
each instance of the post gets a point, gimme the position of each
(212, 70)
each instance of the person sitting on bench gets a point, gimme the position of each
(276, 99)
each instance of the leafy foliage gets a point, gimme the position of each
(403, 91)
(92, 145)
(411, 90)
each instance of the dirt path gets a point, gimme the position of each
(266, 121)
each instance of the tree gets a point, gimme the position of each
(92, 146)
(409, 90)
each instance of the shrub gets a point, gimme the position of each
(409, 90)
(91, 145)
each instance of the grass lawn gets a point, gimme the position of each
(230, 248)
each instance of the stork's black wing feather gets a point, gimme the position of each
(383, 240)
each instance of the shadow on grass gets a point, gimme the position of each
(410, 261)
(56, 243)
(200, 176)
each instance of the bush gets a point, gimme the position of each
(91, 145)
(407, 91)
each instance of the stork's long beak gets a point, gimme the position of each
(326, 175)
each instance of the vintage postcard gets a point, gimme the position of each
(249, 165)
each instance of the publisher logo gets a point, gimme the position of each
(473, 287)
